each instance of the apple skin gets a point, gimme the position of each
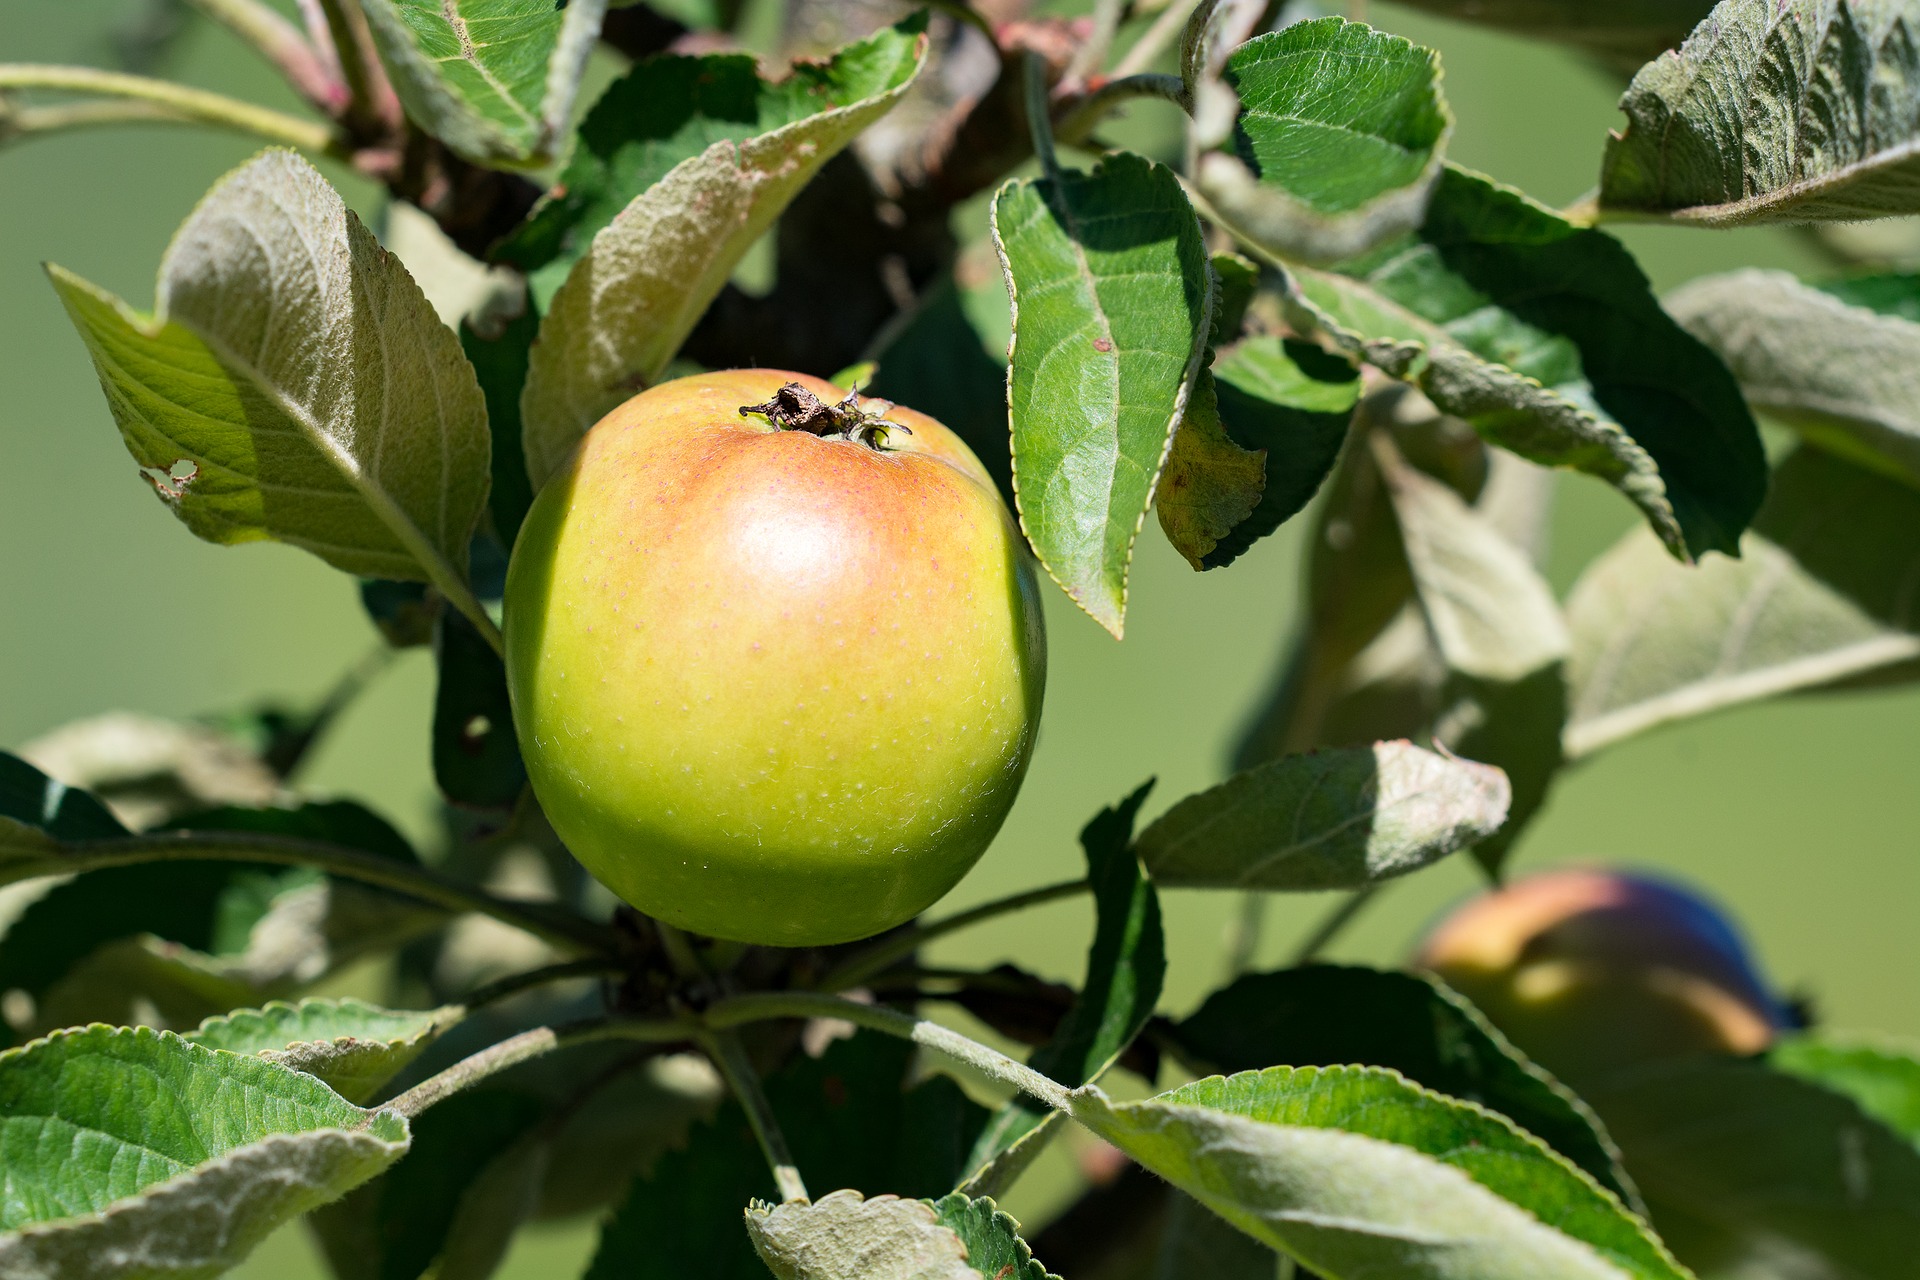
(1592, 971)
(772, 686)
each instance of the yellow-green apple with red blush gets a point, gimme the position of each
(776, 674)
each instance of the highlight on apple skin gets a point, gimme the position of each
(776, 674)
(1590, 971)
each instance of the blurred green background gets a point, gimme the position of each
(1803, 816)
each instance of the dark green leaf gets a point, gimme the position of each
(992, 1239)
(1195, 1241)
(1125, 967)
(1883, 1080)
(1111, 300)
(1770, 1166)
(1845, 375)
(1339, 819)
(402, 610)
(30, 798)
(1546, 337)
(497, 341)
(1328, 1015)
(476, 757)
(1775, 112)
(1338, 140)
(133, 1155)
(1822, 594)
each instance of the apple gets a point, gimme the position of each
(1590, 971)
(775, 657)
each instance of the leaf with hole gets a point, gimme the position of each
(1775, 111)
(1337, 143)
(1357, 1171)
(1111, 296)
(1823, 594)
(1339, 819)
(1126, 965)
(644, 278)
(493, 79)
(131, 1154)
(1845, 375)
(1330, 1015)
(295, 384)
(1546, 338)
(353, 1046)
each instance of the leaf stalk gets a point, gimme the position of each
(176, 102)
(730, 1056)
(282, 44)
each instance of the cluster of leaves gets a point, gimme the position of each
(1404, 341)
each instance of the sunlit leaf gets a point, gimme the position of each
(1111, 299)
(355, 1047)
(1338, 819)
(1775, 111)
(995, 1250)
(842, 1234)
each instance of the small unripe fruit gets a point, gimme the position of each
(1589, 971)
(776, 675)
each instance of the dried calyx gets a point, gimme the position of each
(794, 408)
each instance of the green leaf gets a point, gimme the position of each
(497, 340)
(1494, 622)
(295, 384)
(842, 1234)
(133, 1155)
(1340, 819)
(1822, 594)
(1769, 1167)
(644, 278)
(1329, 1015)
(476, 757)
(1356, 1171)
(1279, 397)
(1847, 377)
(30, 799)
(992, 1239)
(1774, 112)
(1882, 1080)
(1210, 485)
(1547, 339)
(1125, 968)
(1111, 298)
(1623, 33)
(1337, 144)
(493, 79)
(353, 1046)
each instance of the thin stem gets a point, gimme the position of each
(458, 594)
(730, 1056)
(553, 923)
(1089, 111)
(184, 102)
(1165, 30)
(287, 754)
(281, 43)
(525, 1047)
(884, 954)
(967, 14)
(737, 1011)
(1088, 57)
(680, 953)
(515, 983)
(371, 98)
(21, 122)
(1328, 929)
(1040, 116)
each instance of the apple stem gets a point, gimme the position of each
(730, 1056)
(794, 408)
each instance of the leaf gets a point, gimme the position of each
(638, 289)
(133, 1155)
(476, 758)
(1624, 33)
(1845, 376)
(1111, 297)
(843, 1235)
(30, 799)
(995, 1250)
(1339, 819)
(148, 770)
(353, 1046)
(1823, 593)
(1210, 485)
(1495, 624)
(1329, 1015)
(1547, 339)
(1803, 111)
(1355, 1171)
(1195, 1241)
(1337, 144)
(1882, 1080)
(497, 340)
(1775, 1164)
(493, 79)
(295, 383)
(1125, 968)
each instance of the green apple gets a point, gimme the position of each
(776, 674)
(1590, 971)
